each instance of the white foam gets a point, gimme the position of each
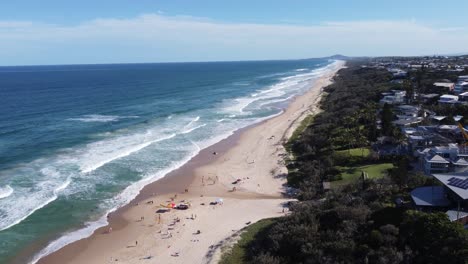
(220, 120)
(5, 191)
(192, 121)
(192, 129)
(26, 203)
(99, 118)
(69, 238)
(302, 69)
(101, 153)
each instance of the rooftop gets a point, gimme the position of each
(446, 178)
(430, 196)
(437, 159)
(454, 215)
(441, 84)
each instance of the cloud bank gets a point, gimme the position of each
(160, 38)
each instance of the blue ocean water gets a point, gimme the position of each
(78, 141)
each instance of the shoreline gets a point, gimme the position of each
(248, 151)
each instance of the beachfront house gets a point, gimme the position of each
(443, 159)
(456, 190)
(448, 99)
(461, 87)
(463, 97)
(450, 86)
(430, 198)
(394, 97)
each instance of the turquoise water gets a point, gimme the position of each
(79, 141)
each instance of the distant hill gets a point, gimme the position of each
(338, 57)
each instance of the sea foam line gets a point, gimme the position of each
(86, 169)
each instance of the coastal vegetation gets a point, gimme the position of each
(238, 253)
(358, 220)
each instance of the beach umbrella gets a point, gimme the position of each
(219, 200)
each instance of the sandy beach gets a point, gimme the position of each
(252, 158)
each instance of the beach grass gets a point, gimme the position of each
(308, 120)
(238, 253)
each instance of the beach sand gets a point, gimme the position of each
(254, 156)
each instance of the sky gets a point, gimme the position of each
(131, 31)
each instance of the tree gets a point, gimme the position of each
(433, 238)
(387, 118)
(408, 85)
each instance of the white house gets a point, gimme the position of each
(449, 85)
(461, 87)
(448, 99)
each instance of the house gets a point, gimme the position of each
(463, 97)
(448, 99)
(404, 122)
(436, 164)
(445, 85)
(428, 197)
(461, 87)
(393, 97)
(456, 187)
(458, 216)
(443, 159)
(428, 98)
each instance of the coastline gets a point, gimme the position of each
(249, 155)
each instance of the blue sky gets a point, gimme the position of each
(113, 31)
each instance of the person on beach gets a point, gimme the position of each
(159, 218)
(203, 180)
(110, 230)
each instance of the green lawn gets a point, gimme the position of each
(350, 174)
(237, 254)
(355, 152)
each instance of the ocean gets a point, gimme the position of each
(78, 141)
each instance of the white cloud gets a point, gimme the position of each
(155, 37)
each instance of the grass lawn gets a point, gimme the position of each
(355, 152)
(350, 174)
(237, 254)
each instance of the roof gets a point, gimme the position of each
(428, 96)
(437, 159)
(430, 196)
(457, 117)
(444, 179)
(449, 96)
(441, 84)
(439, 118)
(463, 94)
(416, 137)
(454, 215)
(461, 162)
(448, 127)
(409, 121)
